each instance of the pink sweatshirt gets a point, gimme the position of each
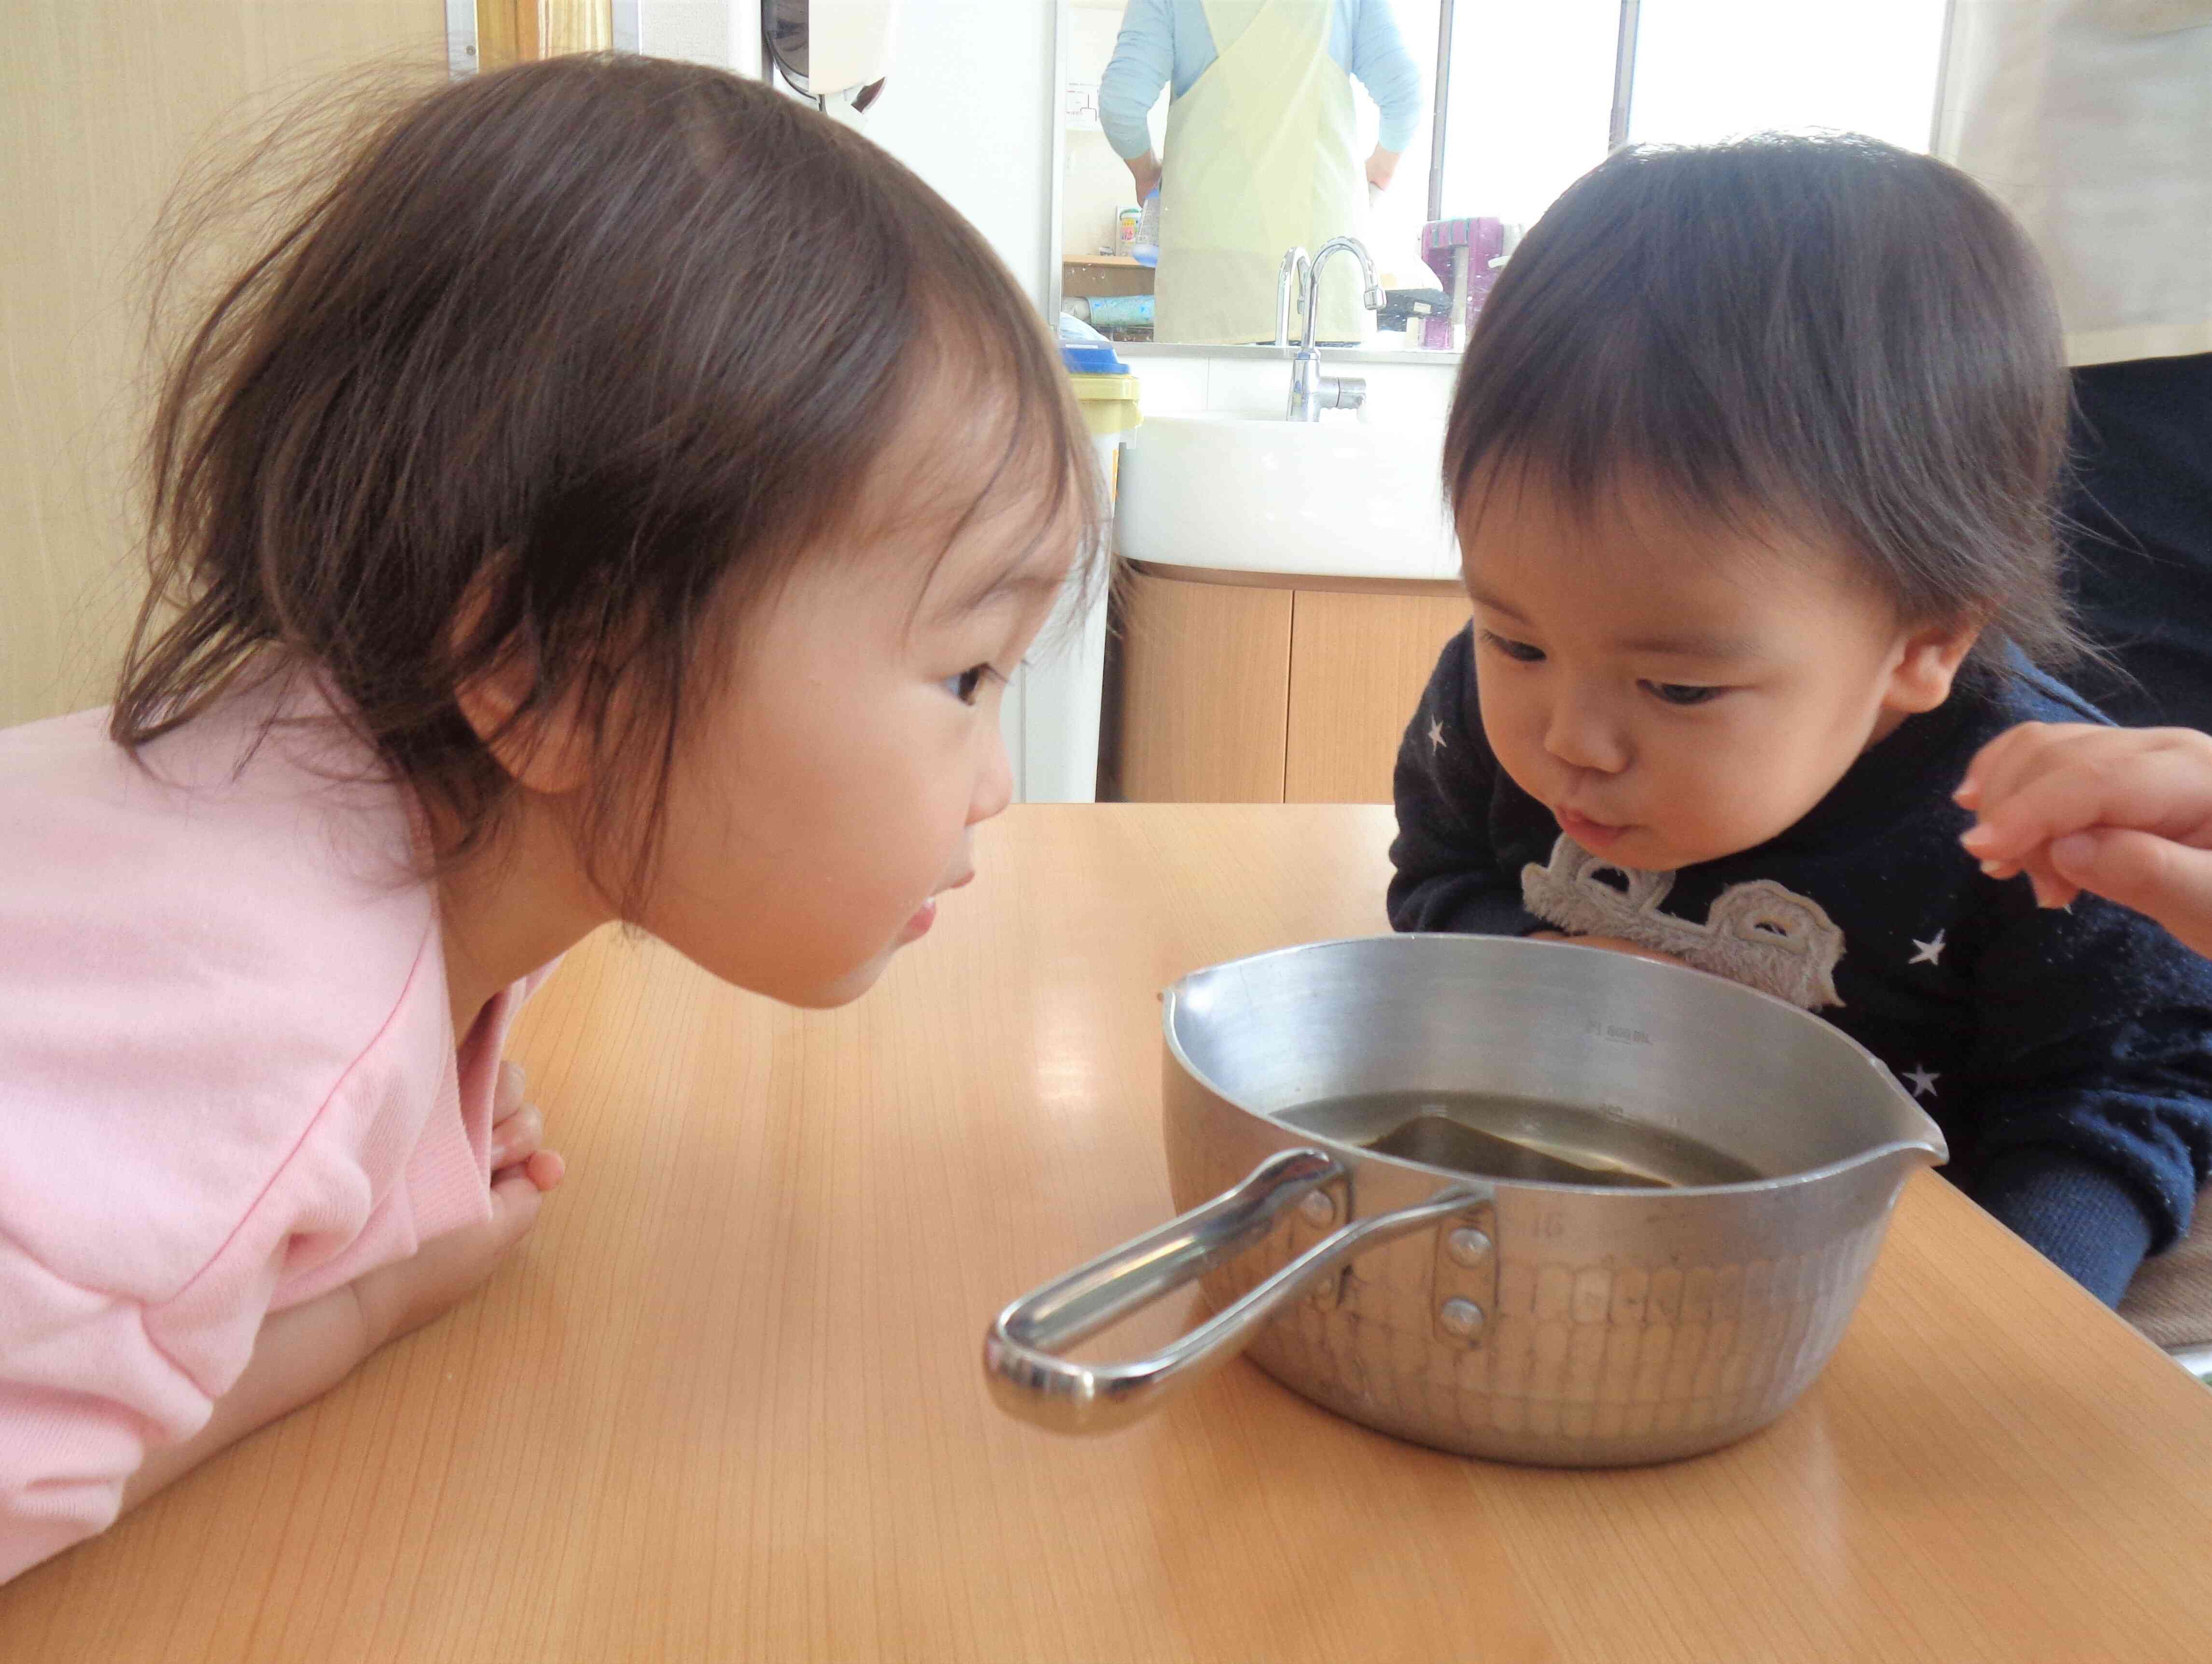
(228, 1081)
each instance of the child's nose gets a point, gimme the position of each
(995, 786)
(1582, 735)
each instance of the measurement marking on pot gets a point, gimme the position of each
(1620, 1031)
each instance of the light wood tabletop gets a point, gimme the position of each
(726, 1404)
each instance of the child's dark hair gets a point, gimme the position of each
(584, 354)
(1824, 331)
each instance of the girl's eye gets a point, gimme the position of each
(1681, 693)
(967, 686)
(1520, 652)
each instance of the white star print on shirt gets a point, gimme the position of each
(1928, 953)
(1922, 1082)
(1436, 734)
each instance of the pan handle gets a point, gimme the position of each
(1029, 1379)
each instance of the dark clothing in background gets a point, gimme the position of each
(2141, 546)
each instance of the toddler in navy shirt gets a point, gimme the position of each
(1752, 459)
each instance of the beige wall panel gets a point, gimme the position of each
(101, 104)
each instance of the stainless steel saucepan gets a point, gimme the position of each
(1526, 1319)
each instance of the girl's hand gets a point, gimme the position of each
(1612, 945)
(407, 1294)
(304, 1351)
(2125, 813)
(518, 1132)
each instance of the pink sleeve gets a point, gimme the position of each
(91, 1380)
(228, 1078)
(86, 1393)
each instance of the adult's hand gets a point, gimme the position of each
(2125, 813)
(1382, 168)
(1145, 171)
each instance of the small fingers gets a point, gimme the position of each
(1997, 762)
(2169, 882)
(2039, 781)
(2043, 782)
(2052, 888)
(509, 1087)
(545, 1168)
(514, 1203)
(517, 1137)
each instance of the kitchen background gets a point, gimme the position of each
(105, 102)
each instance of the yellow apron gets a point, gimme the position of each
(1261, 159)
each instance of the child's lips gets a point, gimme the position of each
(926, 914)
(1593, 835)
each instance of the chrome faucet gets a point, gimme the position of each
(1295, 277)
(1312, 392)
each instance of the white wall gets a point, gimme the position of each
(969, 105)
(723, 33)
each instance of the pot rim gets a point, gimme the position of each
(1932, 1148)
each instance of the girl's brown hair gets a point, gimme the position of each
(568, 366)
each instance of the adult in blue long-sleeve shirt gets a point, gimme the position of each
(1259, 153)
(1168, 43)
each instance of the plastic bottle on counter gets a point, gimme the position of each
(1146, 249)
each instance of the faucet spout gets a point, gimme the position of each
(1370, 294)
(1294, 280)
(1310, 391)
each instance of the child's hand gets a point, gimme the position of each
(2125, 813)
(1612, 945)
(304, 1351)
(398, 1297)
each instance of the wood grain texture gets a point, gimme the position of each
(1204, 681)
(575, 25)
(1449, 588)
(726, 1404)
(103, 102)
(508, 31)
(1358, 665)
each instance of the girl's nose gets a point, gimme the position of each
(1582, 735)
(995, 786)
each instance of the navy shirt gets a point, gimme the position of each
(2066, 1054)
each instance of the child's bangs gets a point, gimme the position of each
(1629, 404)
(1827, 336)
(989, 436)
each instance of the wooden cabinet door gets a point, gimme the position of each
(1204, 691)
(1359, 662)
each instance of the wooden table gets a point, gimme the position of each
(726, 1404)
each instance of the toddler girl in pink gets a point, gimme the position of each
(620, 495)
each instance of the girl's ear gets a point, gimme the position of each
(548, 751)
(1921, 680)
(545, 751)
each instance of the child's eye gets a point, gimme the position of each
(967, 686)
(1519, 651)
(1681, 693)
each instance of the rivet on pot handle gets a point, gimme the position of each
(1028, 1377)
